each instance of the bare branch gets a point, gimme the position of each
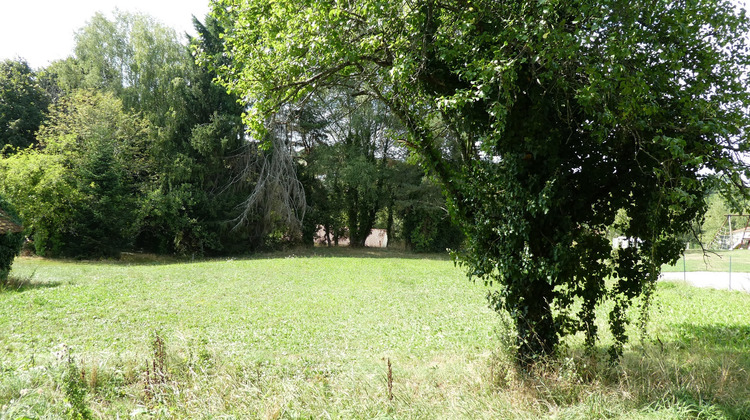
(278, 196)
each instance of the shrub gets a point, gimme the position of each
(430, 230)
(10, 242)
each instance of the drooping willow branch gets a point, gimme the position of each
(278, 197)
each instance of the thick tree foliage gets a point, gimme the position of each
(351, 157)
(76, 191)
(23, 104)
(195, 131)
(558, 114)
(426, 225)
(354, 171)
(197, 151)
(132, 56)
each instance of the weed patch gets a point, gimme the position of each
(76, 391)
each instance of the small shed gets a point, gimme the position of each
(7, 225)
(378, 238)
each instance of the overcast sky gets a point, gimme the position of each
(41, 31)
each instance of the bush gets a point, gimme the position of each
(76, 192)
(430, 230)
(11, 242)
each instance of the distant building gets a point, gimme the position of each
(623, 242)
(378, 238)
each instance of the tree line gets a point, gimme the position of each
(130, 144)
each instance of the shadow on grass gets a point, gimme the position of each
(126, 258)
(703, 373)
(699, 372)
(347, 252)
(145, 259)
(693, 406)
(17, 285)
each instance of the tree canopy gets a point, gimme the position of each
(541, 119)
(23, 103)
(137, 151)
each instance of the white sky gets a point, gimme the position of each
(41, 31)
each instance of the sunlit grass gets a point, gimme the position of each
(309, 334)
(697, 260)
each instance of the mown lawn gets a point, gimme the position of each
(311, 335)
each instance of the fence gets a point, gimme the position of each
(727, 271)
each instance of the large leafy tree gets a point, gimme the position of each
(560, 113)
(356, 175)
(131, 55)
(23, 103)
(416, 201)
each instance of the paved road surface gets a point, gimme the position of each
(716, 280)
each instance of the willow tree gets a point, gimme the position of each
(543, 120)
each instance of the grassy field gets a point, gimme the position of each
(312, 335)
(697, 260)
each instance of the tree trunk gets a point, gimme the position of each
(358, 243)
(361, 220)
(389, 224)
(536, 338)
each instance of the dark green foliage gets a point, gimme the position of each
(363, 158)
(104, 159)
(10, 242)
(430, 230)
(324, 192)
(105, 218)
(23, 104)
(76, 191)
(319, 210)
(198, 162)
(180, 189)
(418, 203)
(362, 190)
(195, 182)
(348, 149)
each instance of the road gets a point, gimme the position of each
(715, 280)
